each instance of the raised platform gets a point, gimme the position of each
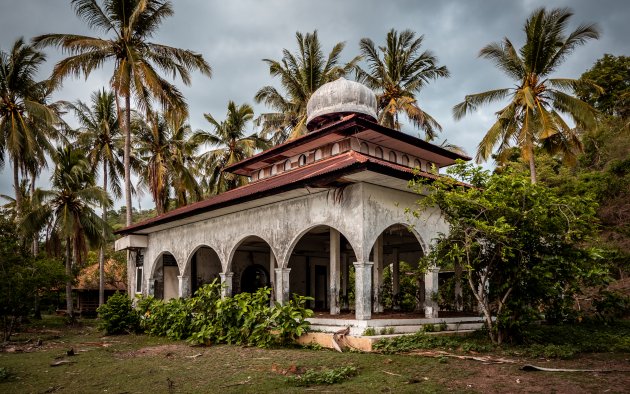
(393, 324)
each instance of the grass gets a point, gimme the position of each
(140, 364)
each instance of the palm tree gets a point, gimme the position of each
(165, 151)
(533, 116)
(101, 137)
(396, 77)
(300, 75)
(24, 116)
(130, 23)
(231, 146)
(68, 208)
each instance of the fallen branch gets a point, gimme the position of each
(483, 359)
(391, 373)
(338, 336)
(534, 368)
(61, 362)
(239, 383)
(194, 356)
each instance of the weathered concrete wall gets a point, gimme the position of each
(364, 212)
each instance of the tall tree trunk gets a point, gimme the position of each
(69, 307)
(36, 235)
(532, 166)
(127, 158)
(16, 186)
(101, 256)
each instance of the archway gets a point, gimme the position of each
(165, 277)
(251, 265)
(396, 285)
(312, 264)
(205, 267)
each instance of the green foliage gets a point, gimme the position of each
(5, 374)
(611, 305)
(369, 332)
(117, 315)
(24, 278)
(421, 340)
(245, 319)
(409, 292)
(516, 238)
(330, 376)
(612, 73)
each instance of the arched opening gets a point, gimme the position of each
(416, 164)
(251, 265)
(364, 148)
(396, 282)
(287, 165)
(302, 160)
(335, 149)
(405, 160)
(311, 270)
(205, 267)
(392, 156)
(165, 277)
(378, 152)
(318, 154)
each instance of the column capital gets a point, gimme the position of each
(363, 264)
(226, 275)
(282, 270)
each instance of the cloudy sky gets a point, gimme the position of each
(235, 35)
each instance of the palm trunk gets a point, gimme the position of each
(532, 166)
(36, 235)
(16, 186)
(101, 256)
(69, 307)
(127, 159)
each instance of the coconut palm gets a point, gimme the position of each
(398, 76)
(300, 75)
(24, 116)
(165, 150)
(129, 24)
(230, 146)
(68, 208)
(101, 137)
(533, 115)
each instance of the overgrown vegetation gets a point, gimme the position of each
(329, 376)
(206, 318)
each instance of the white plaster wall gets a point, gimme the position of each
(363, 213)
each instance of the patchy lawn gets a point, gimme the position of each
(141, 364)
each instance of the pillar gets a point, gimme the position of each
(272, 270)
(396, 278)
(377, 275)
(363, 290)
(282, 284)
(335, 271)
(430, 290)
(184, 286)
(345, 269)
(459, 297)
(226, 284)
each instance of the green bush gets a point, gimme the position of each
(330, 376)
(245, 319)
(117, 315)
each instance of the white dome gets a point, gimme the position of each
(338, 98)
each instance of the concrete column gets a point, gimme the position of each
(377, 277)
(272, 280)
(345, 269)
(184, 286)
(396, 278)
(282, 284)
(226, 284)
(459, 295)
(335, 271)
(363, 290)
(430, 289)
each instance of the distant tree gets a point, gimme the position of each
(398, 76)
(612, 74)
(533, 116)
(519, 243)
(101, 137)
(130, 24)
(164, 149)
(300, 75)
(22, 113)
(68, 209)
(230, 145)
(24, 277)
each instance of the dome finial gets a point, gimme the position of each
(337, 98)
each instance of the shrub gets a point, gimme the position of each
(369, 332)
(330, 376)
(117, 315)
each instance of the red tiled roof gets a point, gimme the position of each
(345, 163)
